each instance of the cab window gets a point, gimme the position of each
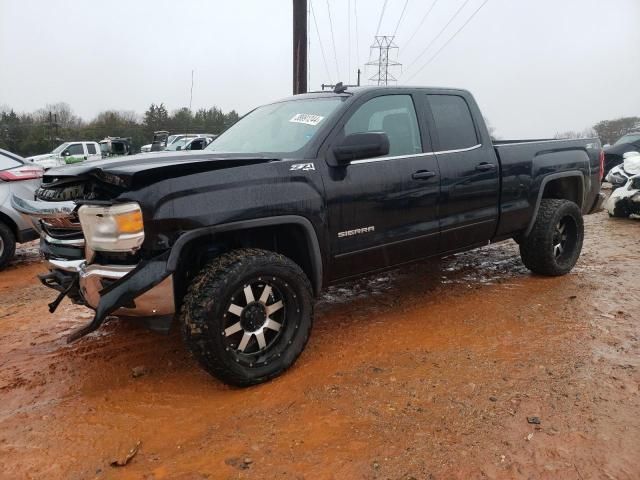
(454, 124)
(75, 149)
(394, 115)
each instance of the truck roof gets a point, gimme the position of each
(356, 91)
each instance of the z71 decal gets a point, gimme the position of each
(302, 166)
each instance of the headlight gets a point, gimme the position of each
(117, 228)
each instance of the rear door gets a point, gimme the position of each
(469, 173)
(383, 210)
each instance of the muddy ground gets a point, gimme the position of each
(429, 371)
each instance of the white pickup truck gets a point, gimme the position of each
(68, 152)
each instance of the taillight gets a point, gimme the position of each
(26, 172)
(601, 164)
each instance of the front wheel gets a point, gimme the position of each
(555, 242)
(247, 316)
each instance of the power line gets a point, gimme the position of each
(333, 40)
(401, 17)
(450, 39)
(384, 6)
(324, 58)
(438, 35)
(426, 15)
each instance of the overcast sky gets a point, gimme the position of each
(536, 67)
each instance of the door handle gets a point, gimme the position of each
(484, 166)
(423, 175)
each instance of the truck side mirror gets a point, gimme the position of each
(361, 145)
(66, 153)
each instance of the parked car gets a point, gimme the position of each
(625, 180)
(18, 177)
(66, 153)
(613, 154)
(620, 174)
(115, 147)
(191, 143)
(162, 140)
(235, 241)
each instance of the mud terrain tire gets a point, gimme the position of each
(251, 293)
(7, 245)
(554, 244)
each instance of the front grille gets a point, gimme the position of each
(63, 235)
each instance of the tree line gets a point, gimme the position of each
(41, 131)
(607, 130)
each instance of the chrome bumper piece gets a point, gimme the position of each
(40, 209)
(157, 301)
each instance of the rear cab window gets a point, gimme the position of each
(453, 122)
(91, 148)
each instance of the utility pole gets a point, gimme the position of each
(384, 44)
(299, 46)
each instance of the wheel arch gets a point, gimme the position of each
(563, 186)
(8, 221)
(291, 235)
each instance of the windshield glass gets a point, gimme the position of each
(629, 138)
(283, 127)
(178, 143)
(60, 148)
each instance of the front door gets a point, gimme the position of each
(383, 211)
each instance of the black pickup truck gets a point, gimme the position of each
(235, 241)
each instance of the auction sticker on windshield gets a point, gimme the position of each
(307, 119)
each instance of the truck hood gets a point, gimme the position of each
(44, 156)
(621, 149)
(138, 170)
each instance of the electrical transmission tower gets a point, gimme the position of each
(385, 46)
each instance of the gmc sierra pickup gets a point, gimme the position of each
(235, 241)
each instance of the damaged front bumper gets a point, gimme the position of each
(143, 290)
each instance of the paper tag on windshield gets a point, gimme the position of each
(307, 119)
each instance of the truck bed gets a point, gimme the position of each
(527, 165)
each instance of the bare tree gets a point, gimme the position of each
(611, 130)
(571, 134)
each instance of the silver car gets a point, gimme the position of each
(22, 178)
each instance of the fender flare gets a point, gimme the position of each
(543, 184)
(310, 234)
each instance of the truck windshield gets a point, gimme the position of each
(278, 128)
(178, 143)
(629, 138)
(60, 148)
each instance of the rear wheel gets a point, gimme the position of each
(555, 242)
(247, 316)
(7, 245)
